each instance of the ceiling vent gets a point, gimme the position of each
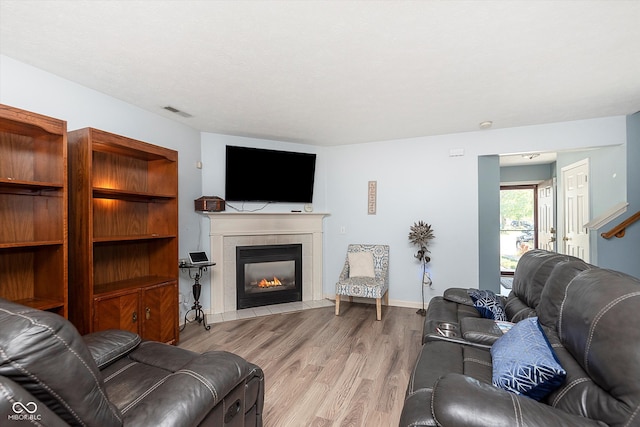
(176, 111)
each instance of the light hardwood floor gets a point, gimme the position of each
(323, 370)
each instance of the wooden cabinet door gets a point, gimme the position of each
(160, 313)
(118, 312)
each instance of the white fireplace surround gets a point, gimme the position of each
(231, 229)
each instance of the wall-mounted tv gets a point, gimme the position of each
(260, 175)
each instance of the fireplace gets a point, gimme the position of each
(268, 274)
(230, 229)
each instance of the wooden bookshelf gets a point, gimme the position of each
(33, 210)
(123, 240)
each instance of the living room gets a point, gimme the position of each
(341, 180)
(417, 178)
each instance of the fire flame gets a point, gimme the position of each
(264, 283)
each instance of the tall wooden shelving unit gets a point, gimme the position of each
(33, 210)
(123, 239)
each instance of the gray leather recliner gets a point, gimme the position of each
(51, 375)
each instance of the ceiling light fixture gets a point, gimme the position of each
(486, 124)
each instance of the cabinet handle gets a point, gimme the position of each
(148, 313)
(135, 316)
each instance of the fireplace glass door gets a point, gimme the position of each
(268, 274)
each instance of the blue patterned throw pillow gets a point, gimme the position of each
(488, 304)
(524, 362)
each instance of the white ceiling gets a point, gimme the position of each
(341, 72)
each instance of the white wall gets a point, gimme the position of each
(417, 179)
(31, 89)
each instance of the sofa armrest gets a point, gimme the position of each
(459, 400)
(416, 411)
(108, 346)
(480, 330)
(187, 396)
(458, 295)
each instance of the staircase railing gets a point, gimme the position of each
(620, 229)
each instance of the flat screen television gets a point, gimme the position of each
(261, 175)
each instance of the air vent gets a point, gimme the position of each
(176, 111)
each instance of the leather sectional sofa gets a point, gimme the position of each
(52, 376)
(588, 316)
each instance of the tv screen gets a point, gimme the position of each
(260, 175)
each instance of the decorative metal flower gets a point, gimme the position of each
(420, 234)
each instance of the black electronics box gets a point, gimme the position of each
(209, 204)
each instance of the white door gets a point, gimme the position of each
(546, 215)
(575, 184)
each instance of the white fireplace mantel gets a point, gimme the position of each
(231, 229)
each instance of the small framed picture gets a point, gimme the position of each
(372, 199)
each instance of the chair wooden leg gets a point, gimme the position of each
(386, 298)
(337, 305)
(378, 308)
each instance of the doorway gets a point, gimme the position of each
(518, 224)
(575, 186)
(547, 215)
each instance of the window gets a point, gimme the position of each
(518, 225)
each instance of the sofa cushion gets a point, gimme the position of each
(458, 400)
(36, 347)
(516, 309)
(488, 304)
(532, 272)
(437, 358)
(524, 362)
(154, 371)
(554, 293)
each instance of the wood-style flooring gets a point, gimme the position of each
(322, 369)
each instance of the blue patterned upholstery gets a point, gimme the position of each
(488, 304)
(524, 362)
(367, 287)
